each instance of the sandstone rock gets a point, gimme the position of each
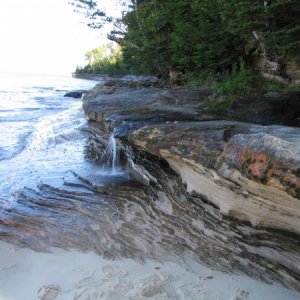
(250, 172)
(139, 173)
(268, 159)
(252, 177)
(270, 108)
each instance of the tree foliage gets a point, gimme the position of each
(204, 36)
(96, 16)
(105, 60)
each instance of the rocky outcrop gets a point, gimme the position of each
(133, 101)
(252, 177)
(245, 172)
(75, 93)
(250, 172)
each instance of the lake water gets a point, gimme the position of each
(38, 126)
(53, 194)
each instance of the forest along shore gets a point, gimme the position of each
(241, 176)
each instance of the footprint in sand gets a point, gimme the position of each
(241, 295)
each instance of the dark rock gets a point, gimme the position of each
(271, 108)
(75, 93)
(117, 102)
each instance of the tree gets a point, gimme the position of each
(97, 17)
(196, 36)
(106, 60)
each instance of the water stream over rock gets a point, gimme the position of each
(113, 151)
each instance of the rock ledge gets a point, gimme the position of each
(249, 171)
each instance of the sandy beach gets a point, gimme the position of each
(69, 274)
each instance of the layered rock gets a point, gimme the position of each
(249, 171)
(245, 172)
(252, 177)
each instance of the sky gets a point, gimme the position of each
(44, 36)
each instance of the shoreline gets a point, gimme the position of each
(88, 76)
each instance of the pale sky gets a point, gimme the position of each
(44, 36)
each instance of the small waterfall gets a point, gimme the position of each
(113, 152)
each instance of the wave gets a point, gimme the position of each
(57, 128)
(17, 149)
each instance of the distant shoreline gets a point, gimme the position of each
(88, 76)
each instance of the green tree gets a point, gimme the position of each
(106, 60)
(203, 36)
